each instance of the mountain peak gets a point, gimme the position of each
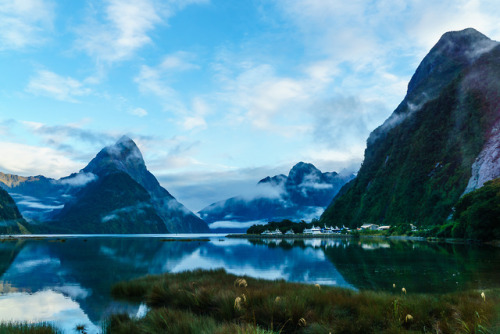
(125, 140)
(462, 37)
(125, 149)
(454, 51)
(303, 167)
(123, 155)
(301, 170)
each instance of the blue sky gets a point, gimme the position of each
(217, 94)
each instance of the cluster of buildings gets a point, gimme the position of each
(332, 230)
(313, 230)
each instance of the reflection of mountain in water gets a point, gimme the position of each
(84, 270)
(8, 252)
(417, 266)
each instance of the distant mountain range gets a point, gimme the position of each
(115, 193)
(441, 141)
(303, 194)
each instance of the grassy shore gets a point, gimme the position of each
(217, 302)
(27, 328)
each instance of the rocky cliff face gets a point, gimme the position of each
(419, 161)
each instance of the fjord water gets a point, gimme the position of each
(68, 279)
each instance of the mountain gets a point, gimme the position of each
(114, 193)
(441, 141)
(11, 221)
(303, 194)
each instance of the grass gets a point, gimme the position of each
(27, 328)
(217, 302)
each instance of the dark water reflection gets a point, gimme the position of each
(74, 277)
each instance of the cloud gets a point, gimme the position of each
(343, 122)
(140, 112)
(199, 188)
(52, 85)
(255, 93)
(60, 136)
(236, 224)
(79, 180)
(41, 206)
(123, 30)
(159, 81)
(116, 31)
(24, 23)
(25, 159)
(45, 306)
(196, 119)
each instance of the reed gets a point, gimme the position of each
(27, 328)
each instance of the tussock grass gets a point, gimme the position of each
(27, 328)
(211, 301)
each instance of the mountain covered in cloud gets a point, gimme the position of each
(303, 194)
(114, 193)
(441, 141)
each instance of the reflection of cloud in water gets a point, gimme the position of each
(75, 291)
(240, 257)
(375, 246)
(197, 260)
(227, 242)
(47, 306)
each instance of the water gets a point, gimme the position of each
(67, 280)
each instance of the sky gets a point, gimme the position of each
(217, 94)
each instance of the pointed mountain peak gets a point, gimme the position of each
(454, 51)
(123, 155)
(125, 140)
(124, 148)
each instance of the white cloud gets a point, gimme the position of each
(196, 119)
(45, 306)
(140, 112)
(126, 27)
(79, 180)
(25, 159)
(236, 224)
(179, 61)
(24, 23)
(61, 88)
(151, 81)
(158, 81)
(124, 30)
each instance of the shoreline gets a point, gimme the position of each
(320, 236)
(495, 243)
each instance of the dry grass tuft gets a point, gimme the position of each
(240, 282)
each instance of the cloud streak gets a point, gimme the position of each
(24, 23)
(117, 30)
(50, 84)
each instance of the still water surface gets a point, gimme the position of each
(67, 280)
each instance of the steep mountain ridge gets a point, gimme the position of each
(303, 194)
(419, 161)
(11, 221)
